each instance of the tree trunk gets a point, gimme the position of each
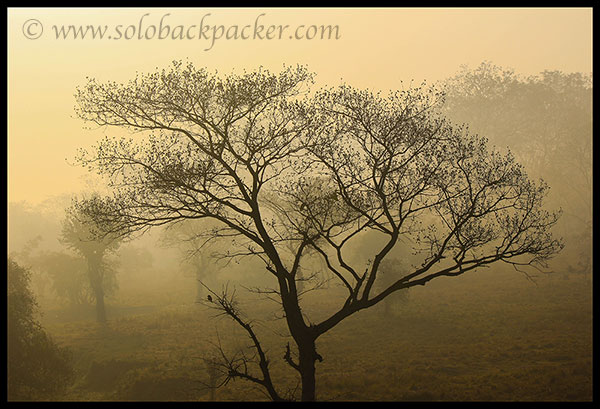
(95, 275)
(307, 357)
(100, 310)
(299, 280)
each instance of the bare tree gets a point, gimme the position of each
(341, 163)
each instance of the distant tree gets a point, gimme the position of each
(138, 261)
(40, 282)
(391, 270)
(29, 224)
(81, 234)
(190, 239)
(221, 148)
(56, 273)
(546, 120)
(37, 368)
(70, 278)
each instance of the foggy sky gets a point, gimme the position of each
(377, 49)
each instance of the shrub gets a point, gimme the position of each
(37, 367)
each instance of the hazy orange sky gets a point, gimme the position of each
(377, 48)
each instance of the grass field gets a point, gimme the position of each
(487, 336)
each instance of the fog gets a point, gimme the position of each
(138, 299)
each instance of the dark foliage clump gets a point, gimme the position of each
(37, 367)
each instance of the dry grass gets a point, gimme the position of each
(483, 337)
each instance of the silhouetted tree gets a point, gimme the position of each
(37, 368)
(81, 234)
(221, 147)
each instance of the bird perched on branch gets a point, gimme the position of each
(209, 298)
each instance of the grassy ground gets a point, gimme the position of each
(483, 337)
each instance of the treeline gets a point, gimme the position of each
(545, 120)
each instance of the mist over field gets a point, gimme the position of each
(254, 234)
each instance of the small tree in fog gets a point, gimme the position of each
(68, 276)
(391, 269)
(189, 239)
(81, 234)
(340, 163)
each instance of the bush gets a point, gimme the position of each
(37, 367)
